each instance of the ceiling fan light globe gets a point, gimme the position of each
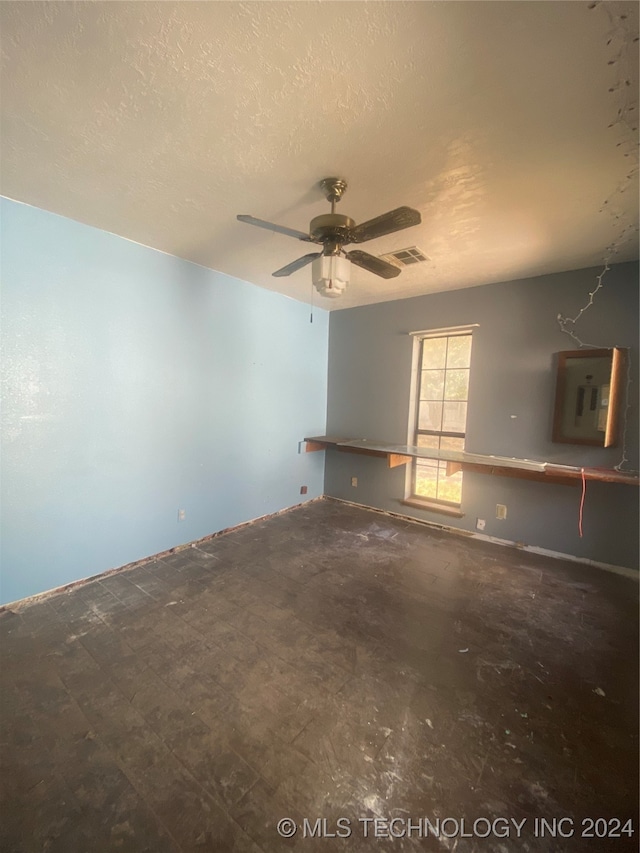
(331, 275)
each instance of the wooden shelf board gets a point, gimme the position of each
(496, 470)
(322, 442)
(541, 472)
(603, 475)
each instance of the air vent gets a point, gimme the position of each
(406, 257)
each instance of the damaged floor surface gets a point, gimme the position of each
(411, 689)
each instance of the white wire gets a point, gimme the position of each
(563, 322)
(627, 121)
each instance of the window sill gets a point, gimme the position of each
(418, 503)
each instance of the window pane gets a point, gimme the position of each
(431, 441)
(456, 385)
(450, 488)
(432, 385)
(454, 417)
(443, 391)
(434, 351)
(430, 415)
(459, 351)
(426, 480)
(449, 443)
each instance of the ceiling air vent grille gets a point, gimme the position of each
(406, 257)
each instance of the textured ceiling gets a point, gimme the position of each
(161, 121)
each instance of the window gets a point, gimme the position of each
(441, 398)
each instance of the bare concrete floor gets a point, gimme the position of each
(328, 663)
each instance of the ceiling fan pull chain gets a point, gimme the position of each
(311, 316)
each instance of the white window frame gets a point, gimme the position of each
(414, 431)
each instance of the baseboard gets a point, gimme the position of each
(40, 596)
(483, 537)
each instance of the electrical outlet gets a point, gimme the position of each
(303, 490)
(480, 523)
(182, 514)
(354, 482)
(501, 511)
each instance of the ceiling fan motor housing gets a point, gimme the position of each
(331, 275)
(333, 227)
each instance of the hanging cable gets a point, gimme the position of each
(621, 38)
(584, 490)
(563, 322)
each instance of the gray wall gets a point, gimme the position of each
(512, 373)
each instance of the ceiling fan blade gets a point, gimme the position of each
(297, 265)
(394, 220)
(373, 264)
(270, 226)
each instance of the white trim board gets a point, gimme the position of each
(448, 330)
(469, 534)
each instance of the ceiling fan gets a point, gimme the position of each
(334, 231)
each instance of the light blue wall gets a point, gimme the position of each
(136, 384)
(511, 402)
